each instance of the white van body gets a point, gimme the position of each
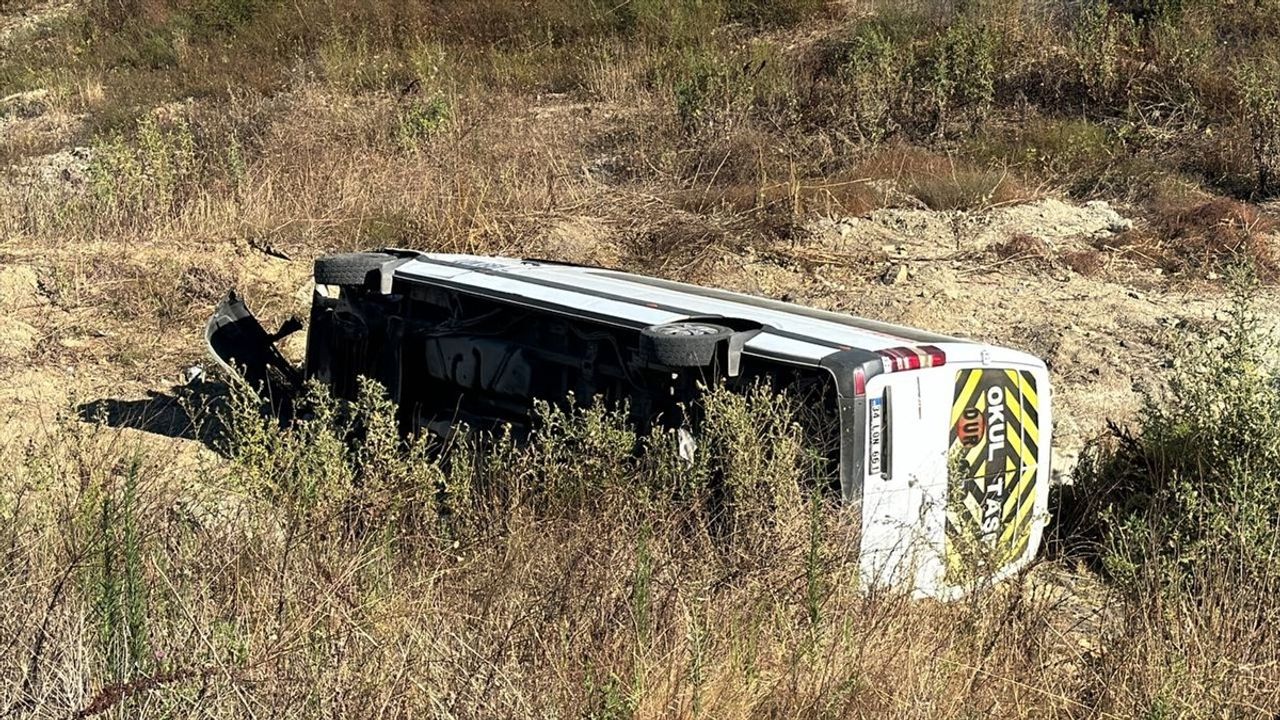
(945, 443)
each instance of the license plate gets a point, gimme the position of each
(876, 460)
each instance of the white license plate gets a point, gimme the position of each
(876, 459)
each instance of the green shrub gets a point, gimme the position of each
(1183, 83)
(873, 74)
(1194, 487)
(1260, 96)
(355, 63)
(1154, 12)
(579, 453)
(121, 601)
(345, 467)
(1098, 42)
(211, 18)
(956, 74)
(420, 120)
(1085, 157)
(675, 22)
(755, 449)
(699, 90)
(147, 174)
(1052, 146)
(342, 466)
(773, 13)
(304, 470)
(715, 88)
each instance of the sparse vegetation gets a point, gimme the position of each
(1193, 486)
(332, 567)
(335, 551)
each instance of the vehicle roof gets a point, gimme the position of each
(791, 330)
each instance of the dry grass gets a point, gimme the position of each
(1206, 238)
(628, 134)
(529, 598)
(1218, 233)
(1021, 246)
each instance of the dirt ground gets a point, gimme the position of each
(1103, 338)
(1035, 276)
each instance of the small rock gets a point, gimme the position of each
(894, 275)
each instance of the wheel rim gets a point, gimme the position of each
(688, 330)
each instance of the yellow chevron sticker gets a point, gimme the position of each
(963, 396)
(1023, 419)
(1027, 389)
(1014, 519)
(1016, 443)
(1001, 464)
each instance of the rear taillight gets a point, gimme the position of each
(912, 358)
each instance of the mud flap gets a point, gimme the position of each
(245, 351)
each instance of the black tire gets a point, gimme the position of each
(348, 268)
(682, 344)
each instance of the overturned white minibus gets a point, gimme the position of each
(940, 445)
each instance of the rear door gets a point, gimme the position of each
(994, 463)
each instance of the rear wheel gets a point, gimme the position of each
(348, 268)
(683, 344)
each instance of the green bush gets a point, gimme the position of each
(121, 598)
(211, 18)
(716, 87)
(956, 74)
(146, 174)
(346, 467)
(1052, 146)
(677, 22)
(773, 13)
(578, 453)
(699, 83)
(703, 91)
(754, 449)
(420, 120)
(1098, 41)
(342, 467)
(1194, 488)
(873, 74)
(1260, 96)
